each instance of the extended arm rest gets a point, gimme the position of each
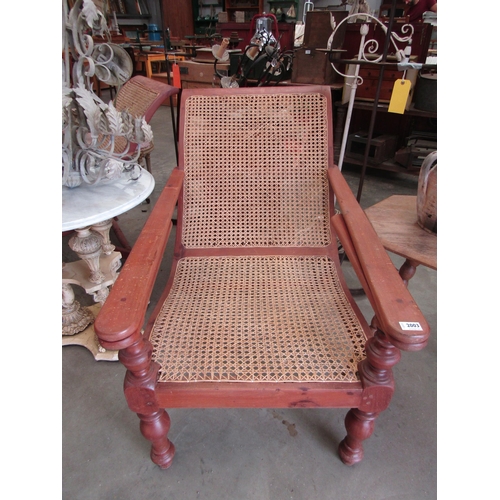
(340, 228)
(120, 320)
(397, 313)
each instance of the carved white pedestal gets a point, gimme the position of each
(77, 273)
(89, 211)
(95, 273)
(88, 339)
(75, 318)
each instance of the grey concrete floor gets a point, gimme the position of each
(240, 454)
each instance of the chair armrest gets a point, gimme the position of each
(121, 318)
(394, 307)
(340, 228)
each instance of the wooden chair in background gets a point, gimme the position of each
(140, 96)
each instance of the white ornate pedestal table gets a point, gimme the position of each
(89, 210)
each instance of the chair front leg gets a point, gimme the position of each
(378, 387)
(154, 427)
(359, 426)
(139, 387)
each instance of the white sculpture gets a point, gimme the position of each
(90, 127)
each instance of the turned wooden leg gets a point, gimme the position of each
(155, 428)
(359, 426)
(407, 270)
(139, 387)
(378, 387)
(376, 369)
(147, 158)
(126, 248)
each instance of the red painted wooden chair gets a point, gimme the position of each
(256, 312)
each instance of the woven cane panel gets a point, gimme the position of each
(135, 98)
(255, 171)
(249, 319)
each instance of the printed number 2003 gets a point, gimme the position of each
(408, 325)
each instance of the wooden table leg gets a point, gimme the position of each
(407, 270)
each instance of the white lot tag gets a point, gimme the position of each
(408, 325)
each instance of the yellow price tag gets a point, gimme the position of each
(399, 96)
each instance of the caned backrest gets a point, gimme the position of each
(135, 98)
(141, 96)
(255, 163)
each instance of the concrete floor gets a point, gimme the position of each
(250, 454)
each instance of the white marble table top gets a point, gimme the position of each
(86, 205)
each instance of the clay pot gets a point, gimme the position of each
(427, 194)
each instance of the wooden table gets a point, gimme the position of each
(395, 221)
(147, 58)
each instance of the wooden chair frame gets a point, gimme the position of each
(120, 323)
